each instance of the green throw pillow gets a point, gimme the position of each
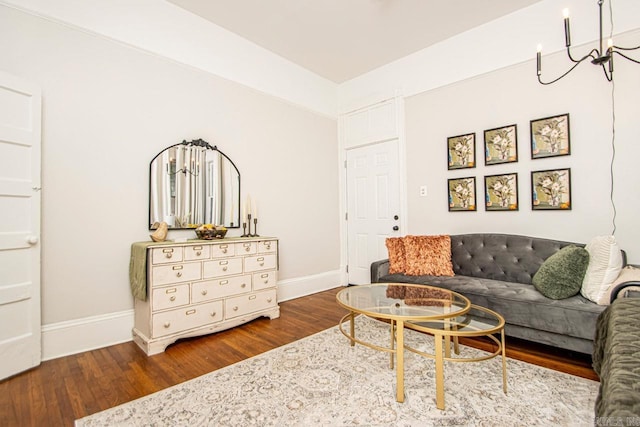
(561, 275)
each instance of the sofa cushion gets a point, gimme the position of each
(605, 263)
(501, 256)
(395, 248)
(561, 275)
(428, 255)
(518, 303)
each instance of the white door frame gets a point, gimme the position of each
(344, 145)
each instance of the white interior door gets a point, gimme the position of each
(20, 331)
(373, 206)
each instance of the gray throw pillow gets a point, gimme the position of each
(561, 275)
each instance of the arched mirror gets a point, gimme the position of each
(193, 183)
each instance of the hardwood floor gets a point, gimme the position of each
(62, 390)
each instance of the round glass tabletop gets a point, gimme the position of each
(401, 301)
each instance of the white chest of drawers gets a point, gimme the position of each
(199, 287)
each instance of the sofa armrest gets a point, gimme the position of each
(626, 289)
(379, 269)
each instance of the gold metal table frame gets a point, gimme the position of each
(442, 316)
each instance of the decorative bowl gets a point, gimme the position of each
(210, 234)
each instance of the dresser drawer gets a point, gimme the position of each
(245, 304)
(165, 274)
(267, 246)
(170, 297)
(223, 250)
(222, 267)
(219, 288)
(264, 280)
(194, 253)
(246, 248)
(166, 255)
(183, 319)
(260, 262)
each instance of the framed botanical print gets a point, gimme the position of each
(501, 145)
(501, 192)
(550, 137)
(462, 194)
(461, 151)
(551, 189)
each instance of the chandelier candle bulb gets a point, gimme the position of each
(567, 32)
(539, 58)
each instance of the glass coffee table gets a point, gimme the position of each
(398, 303)
(439, 312)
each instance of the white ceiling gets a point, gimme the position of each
(342, 39)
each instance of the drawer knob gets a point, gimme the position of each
(179, 274)
(266, 281)
(268, 246)
(261, 264)
(247, 248)
(235, 308)
(168, 255)
(198, 253)
(213, 314)
(269, 299)
(167, 324)
(244, 285)
(173, 298)
(204, 292)
(224, 268)
(224, 251)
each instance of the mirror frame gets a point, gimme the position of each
(198, 143)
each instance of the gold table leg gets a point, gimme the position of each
(353, 327)
(393, 340)
(439, 371)
(400, 361)
(504, 362)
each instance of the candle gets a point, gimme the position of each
(255, 209)
(539, 59)
(248, 205)
(567, 32)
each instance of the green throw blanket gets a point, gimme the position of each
(138, 268)
(616, 359)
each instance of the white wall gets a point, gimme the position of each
(513, 95)
(108, 109)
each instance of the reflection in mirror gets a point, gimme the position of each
(193, 183)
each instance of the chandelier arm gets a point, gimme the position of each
(567, 72)
(626, 57)
(593, 55)
(626, 48)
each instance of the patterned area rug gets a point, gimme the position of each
(322, 380)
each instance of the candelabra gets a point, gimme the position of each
(244, 226)
(255, 227)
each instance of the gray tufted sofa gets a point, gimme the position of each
(495, 271)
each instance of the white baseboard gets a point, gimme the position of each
(301, 286)
(90, 333)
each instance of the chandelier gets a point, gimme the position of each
(598, 56)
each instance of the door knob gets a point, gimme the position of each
(396, 228)
(32, 240)
(395, 217)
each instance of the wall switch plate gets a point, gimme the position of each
(423, 191)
